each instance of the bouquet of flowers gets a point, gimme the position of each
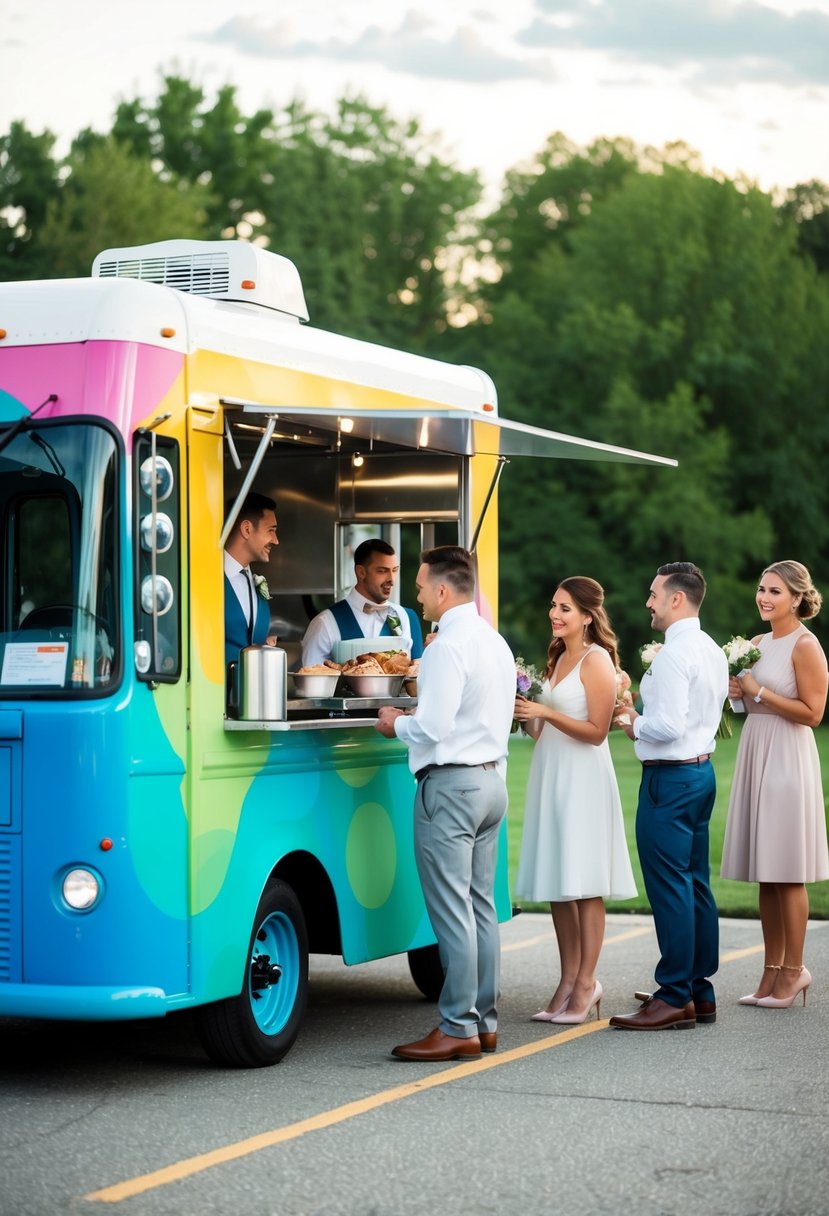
(741, 655)
(624, 699)
(527, 684)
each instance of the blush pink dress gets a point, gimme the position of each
(776, 827)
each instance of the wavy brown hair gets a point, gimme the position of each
(588, 596)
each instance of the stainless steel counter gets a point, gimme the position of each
(329, 713)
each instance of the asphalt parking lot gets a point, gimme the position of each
(729, 1118)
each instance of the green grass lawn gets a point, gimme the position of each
(733, 898)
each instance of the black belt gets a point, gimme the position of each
(430, 768)
(693, 760)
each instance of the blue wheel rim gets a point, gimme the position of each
(272, 1006)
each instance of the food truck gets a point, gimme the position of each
(160, 850)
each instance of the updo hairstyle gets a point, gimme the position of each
(799, 581)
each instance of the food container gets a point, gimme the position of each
(315, 685)
(374, 686)
(352, 648)
(258, 680)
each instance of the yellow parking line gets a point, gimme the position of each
(608, 941)
(329, 1118)
(244, 1148)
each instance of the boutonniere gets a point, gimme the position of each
(262, 586)
(393, 622)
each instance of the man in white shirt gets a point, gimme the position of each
(247, 614)
(457, 739)
(366, 611)
(683, 692)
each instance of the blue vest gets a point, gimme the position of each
(236, 627)
(349, 626)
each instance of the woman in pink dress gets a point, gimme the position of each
(776, 829)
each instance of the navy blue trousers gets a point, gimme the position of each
(675, 805)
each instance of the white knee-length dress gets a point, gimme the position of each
(574, 844)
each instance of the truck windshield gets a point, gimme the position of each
(59, 543)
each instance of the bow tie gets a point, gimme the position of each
(376, 608)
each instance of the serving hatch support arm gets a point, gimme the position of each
(249, 477)
(493, 485)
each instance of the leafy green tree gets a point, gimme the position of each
(363, 204)
(676, 317)
(111, 198)
(808, 205)
(29, 182)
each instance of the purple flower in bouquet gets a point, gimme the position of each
(527, 684)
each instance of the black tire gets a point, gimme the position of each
(260, 1025)
(427, 971)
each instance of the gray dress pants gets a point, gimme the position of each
(457, 819)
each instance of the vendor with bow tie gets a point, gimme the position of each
(366, 611)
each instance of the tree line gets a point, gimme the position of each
(616, 292)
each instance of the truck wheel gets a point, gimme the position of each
(259, 1026)
(427, 971)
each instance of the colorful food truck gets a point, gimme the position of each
(156, 852)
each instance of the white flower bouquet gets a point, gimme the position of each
(741, 655)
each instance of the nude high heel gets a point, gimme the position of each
(786, 1002)
(576, 1019)
(545, 1015)
(754, 998)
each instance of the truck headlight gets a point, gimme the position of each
(81, 889)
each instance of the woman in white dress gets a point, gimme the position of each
(573, 851)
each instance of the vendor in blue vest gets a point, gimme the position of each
(247, 612)
(366, 611)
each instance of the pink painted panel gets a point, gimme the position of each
(121, 381)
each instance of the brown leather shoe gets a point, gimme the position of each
(706, 1010)
(439, 1046)
(657, 1015)
(489, 1039)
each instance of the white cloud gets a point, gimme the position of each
(464, 56)
(730, 41)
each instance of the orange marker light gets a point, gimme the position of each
(487, 407)
(2, 334)
(248, 284)
(168, 332)
(105, 845)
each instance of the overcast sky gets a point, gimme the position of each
(744, 83)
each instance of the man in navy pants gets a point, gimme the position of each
(683, 692)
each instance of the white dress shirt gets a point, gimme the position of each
(323, 632)
(683, 692)
(240, 579)
(465, 695)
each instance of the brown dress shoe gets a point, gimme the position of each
(657, 1015)
(439, 1046)
(489, 1040)
(706, 1011)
